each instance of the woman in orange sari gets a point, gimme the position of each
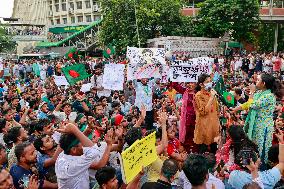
(207, 125)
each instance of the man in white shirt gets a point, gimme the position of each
(67, 113)
(72, 165)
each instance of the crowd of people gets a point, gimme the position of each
(60, 137)
(26, 31)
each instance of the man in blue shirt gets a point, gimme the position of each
(43, 110)
(22, 171)
(269, 178)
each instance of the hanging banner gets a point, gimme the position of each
(145, 62)
(113, 77)
(189, 71)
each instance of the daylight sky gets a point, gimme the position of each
(6, 8)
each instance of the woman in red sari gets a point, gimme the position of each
(187, 117)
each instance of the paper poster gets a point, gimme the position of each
(189, 71)
(141, 153)
(113, 77)
(60, 80)
(86, 87)
(145, 62)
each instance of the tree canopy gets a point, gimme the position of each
(240, 17)
(6, 45)
(154, 18)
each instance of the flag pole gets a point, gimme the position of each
(137, 29)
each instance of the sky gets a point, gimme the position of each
(6, 8)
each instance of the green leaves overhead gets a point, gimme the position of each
(154, 18)
(240, 17)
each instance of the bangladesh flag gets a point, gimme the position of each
(109, 51)
(72, 53)
(229, 99)
(75, 73)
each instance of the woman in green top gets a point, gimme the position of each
(259, 123)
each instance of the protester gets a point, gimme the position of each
(206, 113)
(70, 136)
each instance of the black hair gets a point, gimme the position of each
(115, 104)
(65, 141)
(211, 159)
(240, 140)
(272, 84)
(101, 98)
(19, 149)
(38, 143)
(105, 174)
(238, 91)
(196, 169)
(169, 168)
(201, 79)
(12, 135)
(132, 135)
(273, 154)
(2, 125)
(252, 185)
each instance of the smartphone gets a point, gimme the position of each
(246, 156)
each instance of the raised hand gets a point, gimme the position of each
(33, 182)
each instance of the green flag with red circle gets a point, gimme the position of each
(75, 73)
(229, 99)
(109, 51)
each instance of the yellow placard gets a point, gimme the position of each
(140, 154)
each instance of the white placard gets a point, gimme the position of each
(145, 62)
(189, 71)
(113, 77)
(86, 87)
(60, 80)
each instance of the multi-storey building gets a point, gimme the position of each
(55, 19)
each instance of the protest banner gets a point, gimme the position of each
(140, 154)
(113, 77)
(86, 87)
(145, 62)
(60, 80)
(189, 71)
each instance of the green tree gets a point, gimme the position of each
(154, 18)
(240, 17)
(6, 44)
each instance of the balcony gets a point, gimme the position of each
(29, 38)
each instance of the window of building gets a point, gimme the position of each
(63, 5)
(56, 1)
(79, 4)
(64, 20)
(88, 4)
(50, 7)
(57, 7)
(80, 18)
(51, 22)
(72, 19)
(50, 2)
(58, 21)
(97, 17)
(71, 5)
(88, 18)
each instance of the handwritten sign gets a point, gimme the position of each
(60, 80)
(113, 77)
(145, 62)
(141, 153)
(189, 71)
